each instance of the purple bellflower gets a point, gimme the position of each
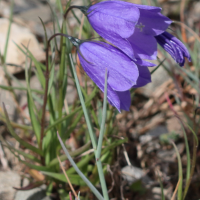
(174, 47)
(95, 57)
(123, 73)
(130, 27)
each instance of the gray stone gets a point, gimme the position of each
(38, 193)
(158, 78)
(132, 174)
(19, 35)
(159, 130)
(8, 180)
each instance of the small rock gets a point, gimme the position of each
(170, 155)
(38, 193)
(157, 78)
(19, 35)
(132, 174)
(159, 130)
(44, 12)
(8, 180)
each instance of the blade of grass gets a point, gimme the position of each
(72, 113)
(67, 177)
(21, 141)
(9, 28)
(92, 135)
(28, 156)
(175, 191)
(161, 185)
(180, 172)
(101, 134)
(61, 75)
(31, 106)
(10, 88)
(75, 179)
(89, 184)
(187, 154)
(77, 152)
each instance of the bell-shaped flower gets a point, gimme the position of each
(130, 27)
(174, 47)
(96, 57)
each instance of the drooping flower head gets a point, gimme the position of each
(130, 27)
(95, 57)
(174, 47)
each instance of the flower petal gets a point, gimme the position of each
(114, 17)
(174, 47)
(144, 77)
(145, 46)
(145, 7)
(121, 43)
(111, 94)
(122, 71)
(125, 100)
(152, 22)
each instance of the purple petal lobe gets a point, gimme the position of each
(145, 46)
(174, 47)
(144, 77)
(111, 94)
(145, 7)
(152, 22)
(125, 100)
(123, 44)
(144, 63)
(114, 17)
(122, 71)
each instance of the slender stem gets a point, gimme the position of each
(70, 8)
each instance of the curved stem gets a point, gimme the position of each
(70, 8)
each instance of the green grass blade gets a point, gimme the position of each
(28, 156)
(73, 112)
(74, 179)
(77, 152)
(180, 172)
(61, 75)
(162, 189)
(87, 118)
(21, 141)
(187, 154)
(101, 134)
(9, 28)
(31, 106)
(158, 66)
(84, 161)
(10, 88)
(89, 184)
(39, 71)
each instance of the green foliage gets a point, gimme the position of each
(43, 154)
